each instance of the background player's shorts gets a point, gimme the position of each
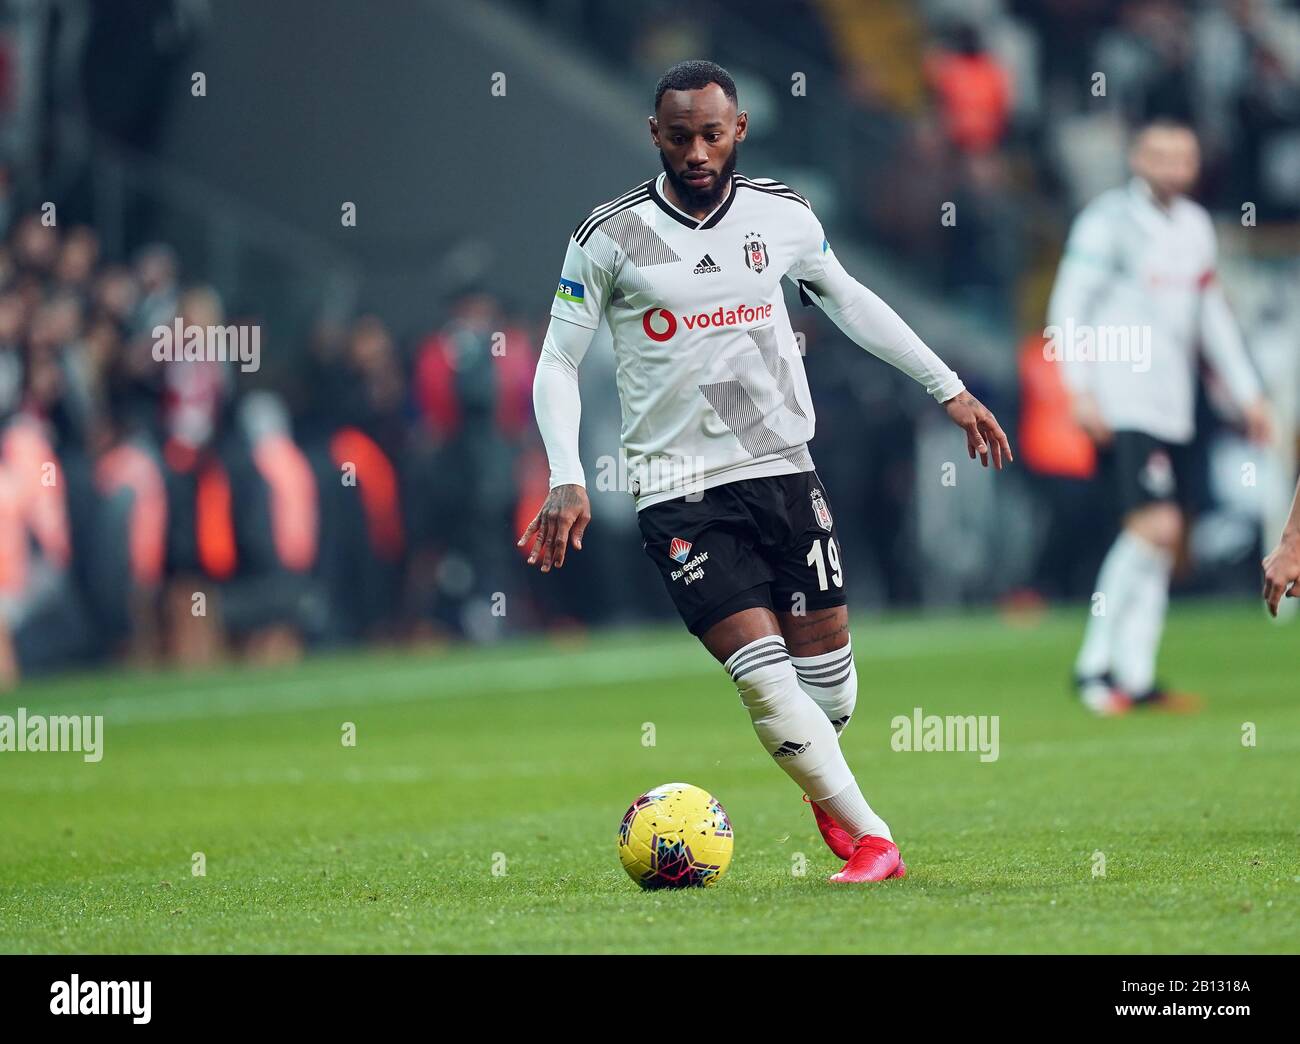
(767, 542)
(1145, 470)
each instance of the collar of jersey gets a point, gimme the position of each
(711, 219)
(1146, 197)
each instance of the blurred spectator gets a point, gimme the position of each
(353, 430)
(42, 623)
(155, 272)
(973, 92)
(1146, 59)
(473, 400)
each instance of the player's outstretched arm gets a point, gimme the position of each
(1282, 566)
(984, 436)
(1226, 353)
(558, 408)
(871, 323)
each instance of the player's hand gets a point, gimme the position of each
(563, 517)
(1087, 414)
(1282, 571)
(1259, 422)
(983, 433)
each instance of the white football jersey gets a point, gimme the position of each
(1136, 296)
(710, 377)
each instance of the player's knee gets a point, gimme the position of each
(1158, 524)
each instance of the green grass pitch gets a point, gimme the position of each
(479, 807)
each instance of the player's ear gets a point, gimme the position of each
(654, 130)
(742, 125)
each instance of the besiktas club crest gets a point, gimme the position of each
(821, 510)
(755, 252)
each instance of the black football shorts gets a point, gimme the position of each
(767, 542)
(1145, 470)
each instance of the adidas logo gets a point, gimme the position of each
(790, 748)
(706, 265)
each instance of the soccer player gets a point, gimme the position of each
(687, 269)
(1282, 566)
(1135, 295)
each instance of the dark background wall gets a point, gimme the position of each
(450, 182)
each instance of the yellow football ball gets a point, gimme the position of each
(675, 836)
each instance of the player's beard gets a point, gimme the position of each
(706, 199)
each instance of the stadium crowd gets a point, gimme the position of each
(159, 509)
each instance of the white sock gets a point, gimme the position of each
(793, 729)
(1137, 634)
(1115, 584)
(831, 679)
(850, 810)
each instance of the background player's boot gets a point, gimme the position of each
(874, 859)
(1099, 694)
(1158, 698)
(837, 839)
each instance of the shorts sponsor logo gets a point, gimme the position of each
(821, 509)
(692, 570)
(679, 550)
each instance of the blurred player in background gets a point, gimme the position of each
(687, 269)
(1137, 293)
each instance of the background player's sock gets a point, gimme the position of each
(1137, 635)
(791, 727)
(831, 679)
(1115, 582)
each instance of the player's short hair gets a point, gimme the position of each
(693, 76)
